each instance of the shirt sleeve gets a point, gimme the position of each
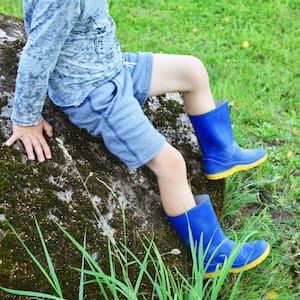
(51, 23)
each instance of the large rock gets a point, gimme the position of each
(83, 187)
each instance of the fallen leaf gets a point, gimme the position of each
(271, 294)
(195, 29)
(295, 131)
(289, 154)
(245, 44)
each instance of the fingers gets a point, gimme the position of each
(10, 141)
(29, 149)
(48, 128)
(33, 140)
(26, 142)
(33, 148)
(37, 148)
(43, 149)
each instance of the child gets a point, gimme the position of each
(72, 52)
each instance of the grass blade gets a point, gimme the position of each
(38, 264)
(112, 283)
(100, 284)
(49, 261)
(31, 294)
(81, 284)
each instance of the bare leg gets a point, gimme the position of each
(170, 169)
(187, 75)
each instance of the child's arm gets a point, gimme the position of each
(48, 24)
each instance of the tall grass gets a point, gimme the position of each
(167, 283)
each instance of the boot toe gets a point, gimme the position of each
(240, 159)
(251, 255)
(248, 156)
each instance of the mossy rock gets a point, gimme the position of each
(82, 180)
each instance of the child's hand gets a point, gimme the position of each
(33, 140)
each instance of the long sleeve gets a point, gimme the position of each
(48, 24)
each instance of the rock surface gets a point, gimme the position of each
(83, 188)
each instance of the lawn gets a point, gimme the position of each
(251, 51)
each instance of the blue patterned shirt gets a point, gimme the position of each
(71, 48)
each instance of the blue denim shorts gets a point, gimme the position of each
(114, 112)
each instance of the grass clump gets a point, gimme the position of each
(167, 283)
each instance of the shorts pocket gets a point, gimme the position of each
(102, 97)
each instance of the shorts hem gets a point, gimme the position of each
(150, 155)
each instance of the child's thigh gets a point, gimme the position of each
(172, 73)
(129, 134)
(113, 113)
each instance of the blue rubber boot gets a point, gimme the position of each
(204, 226)
(222, 156)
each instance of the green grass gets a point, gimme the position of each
(167, 283)
(11, 8)
(261, 82)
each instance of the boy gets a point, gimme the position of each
(72, 52)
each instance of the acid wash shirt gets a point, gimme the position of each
(71, 49)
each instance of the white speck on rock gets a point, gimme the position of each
(65, 196)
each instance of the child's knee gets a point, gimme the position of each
(198, 73)
(174, 159)
(167, 162)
